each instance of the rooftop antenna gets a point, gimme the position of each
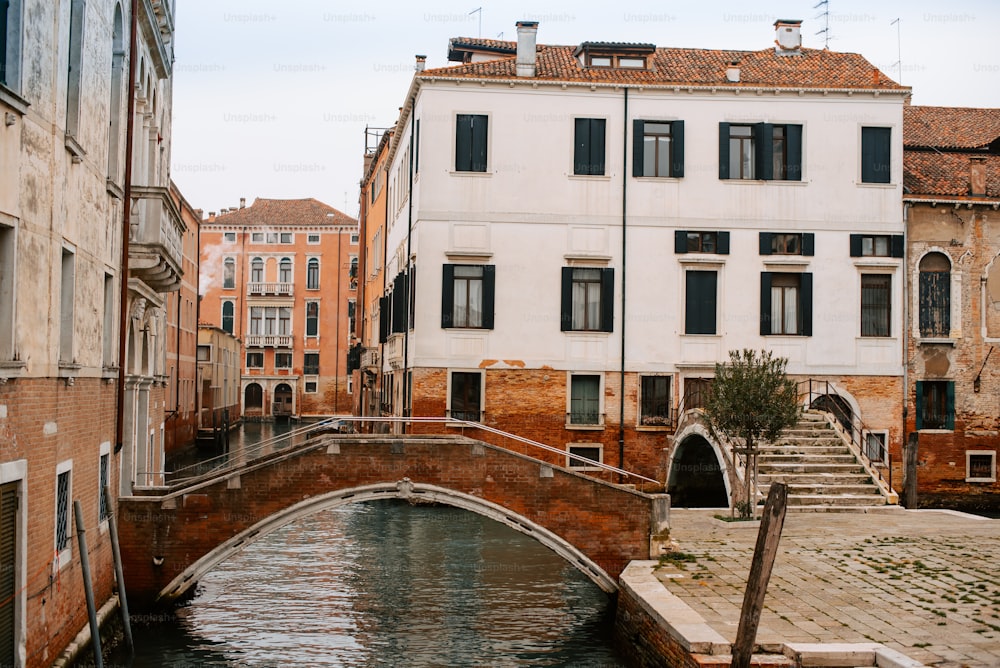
(899, 52)
(825, 15)
(478, 10)
(500, 36)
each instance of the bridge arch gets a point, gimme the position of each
(406, 490)
(696, 434)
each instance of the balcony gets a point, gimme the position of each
(269, 341)
(270, 289)
(369, 358)
(155, 253)
(394, 351)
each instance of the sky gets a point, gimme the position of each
(272, 99)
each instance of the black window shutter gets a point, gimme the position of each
(411, 290)
(607, 300)
(447, 295)
(398, 304)
(765, 243)
(416, 146)
(723, 150)
(875, 154)
(723, 245)
(806, 301)
(479, 137)
(950, 406)
(855, 245)
(765, 303)
(763, 143)
(566, 309)
(808, 243)
(920, 404)
(680, 241)
(793, 152)
(581, 150)
(463, 143)
(677, 141)
(638, 142)
(700, 305)
(897, 245)
(597, 145)
(489, 290)
(383, 319)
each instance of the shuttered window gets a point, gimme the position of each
(312, 318)
(700, 302)
(467, 296)
(62, 511)
(587, 299)
(695, 241)
(655, 401)
(466, 395)
(470, 142)
(876, 245)
(585, 399)
(935, 295)
(658, 148)
(8, 555)
(787, 243)
(876, 154)
(761, 151)
(785, 303)
(588, 146)
(876, 303)
(935, 404)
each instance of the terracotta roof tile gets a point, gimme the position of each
(812, 68)
(950, 127)
(264, 212)
(946, 174)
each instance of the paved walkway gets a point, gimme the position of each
(925, 583)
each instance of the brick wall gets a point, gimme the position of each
(643, 642)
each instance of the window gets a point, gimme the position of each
(310, 364)
(588, 152)
(286, 237)
(312, 274)
(257, 237)
(282, 360)
(875, 446)
(352, 321)
(696, 391)
(470, 142)
(63, 491)
(75, 74)
(980, 466)
(311, 387)
(255, 360)
(109, 350)
(585, 400)
(312, 318)
(229, 274)
(787, 243)
(466, 395)
(257, 270)
(876, 245)
(658, 148)
(876, 304)
(935, 404)
(581, 456)
(587, 299)
(227, 316)
(104, 476)
(467, 295)
(354, 238)
(655, 397)
(284, 321)
(8, 255)
(786, 304)
(353, 273)
(10, 44)
(66, 302)
(115, 98)
(204, 353)
(285, 270)
(935, 295)
(312, 239)
(272, 237)
(876, 151)
(612, 60)
(761, 151)
(229, 237)
(700, 302)
(687, 241)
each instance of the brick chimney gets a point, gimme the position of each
(787, 37)
(977, 177)
(243, 202)
(527, 32)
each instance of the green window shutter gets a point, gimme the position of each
(566, 310)
(793, 151)
(638, 140)
(723, 245)
(597, 145)
(723, 150)
(855, 245)
(680, 241)
(581, 146)
(808, 243)
(700, 305)
(920, 405)
(463, 143)
(764, 243)
(806, 301)
(479, 140)
(489, 292)
(607, 300)
(765, 303)
(763, 148)
(416, 146)
(447, 295)
(875, 154)
(677, 141)
(950, 406)
(897, 242)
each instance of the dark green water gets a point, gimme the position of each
(387, 584)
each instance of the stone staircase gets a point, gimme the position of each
(821, 471)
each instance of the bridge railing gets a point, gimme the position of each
(344, 424)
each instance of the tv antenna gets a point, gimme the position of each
(478, 10)
(899, 51)
(825, 15)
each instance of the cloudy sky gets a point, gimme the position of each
(272, 99)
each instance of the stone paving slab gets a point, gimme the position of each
(923, 583)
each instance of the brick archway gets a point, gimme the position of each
(406, 490)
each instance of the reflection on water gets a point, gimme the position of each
(385, 583)
(247, 441)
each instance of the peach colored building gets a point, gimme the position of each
(278, 276)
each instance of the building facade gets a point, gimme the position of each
(219, 366)
(575, 236)
(952, 176)
(65, 82)
(281, 276)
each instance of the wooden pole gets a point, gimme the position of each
(910, 471)
(771, 523)
(95, 628)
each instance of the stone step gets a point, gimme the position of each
(790, 449)
(836, 499)
(810, 441)
(770, 458)
(811, 479)
(799, 467)
(797, 489)
(810, 431)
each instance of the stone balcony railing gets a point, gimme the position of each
(394, 351)
(270, 289)
(369, 358)
(269, 341)
(154, 249)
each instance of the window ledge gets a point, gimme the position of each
(580, 259)
(115, 190)
(74, 148)
(659, 179)
(886, 186)
(787, 262)
(703, 259)
(468, 255)
(579, 333)
(589, 177)
(13, 100)
(936, 431)
(986, 480)
(11, 369)
(652, 427)
(935, 341)
(767, 182)
(878, 262)
(585, 427)
(479, 175)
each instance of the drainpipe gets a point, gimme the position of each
(197, 320)
(336, 348)
(621, 392)
(126, 225)
(906, 339)
(407, 279)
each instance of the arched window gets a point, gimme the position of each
(229, 273)
(285, 270)
(312, 274)
(935, 295)
(227, 316)
(257, 270)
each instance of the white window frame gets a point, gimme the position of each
(256, 237)
(313, 239)
(229, 237)
(600, 401)
(64, 556)
(575, 464)
(884, 433)
(993, 469)
(8, 281)
(305, 384)
(104, 451)
(482, 389)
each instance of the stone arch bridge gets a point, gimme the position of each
(172, 536)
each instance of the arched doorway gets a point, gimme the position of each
(282, 406)
(837, 406)
(253, 400)
(696, 479)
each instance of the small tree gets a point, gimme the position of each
(751, 399)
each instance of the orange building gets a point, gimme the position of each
(281, 276)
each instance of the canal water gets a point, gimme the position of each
(387, 584)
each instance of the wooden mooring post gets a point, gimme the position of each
(771, 523)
